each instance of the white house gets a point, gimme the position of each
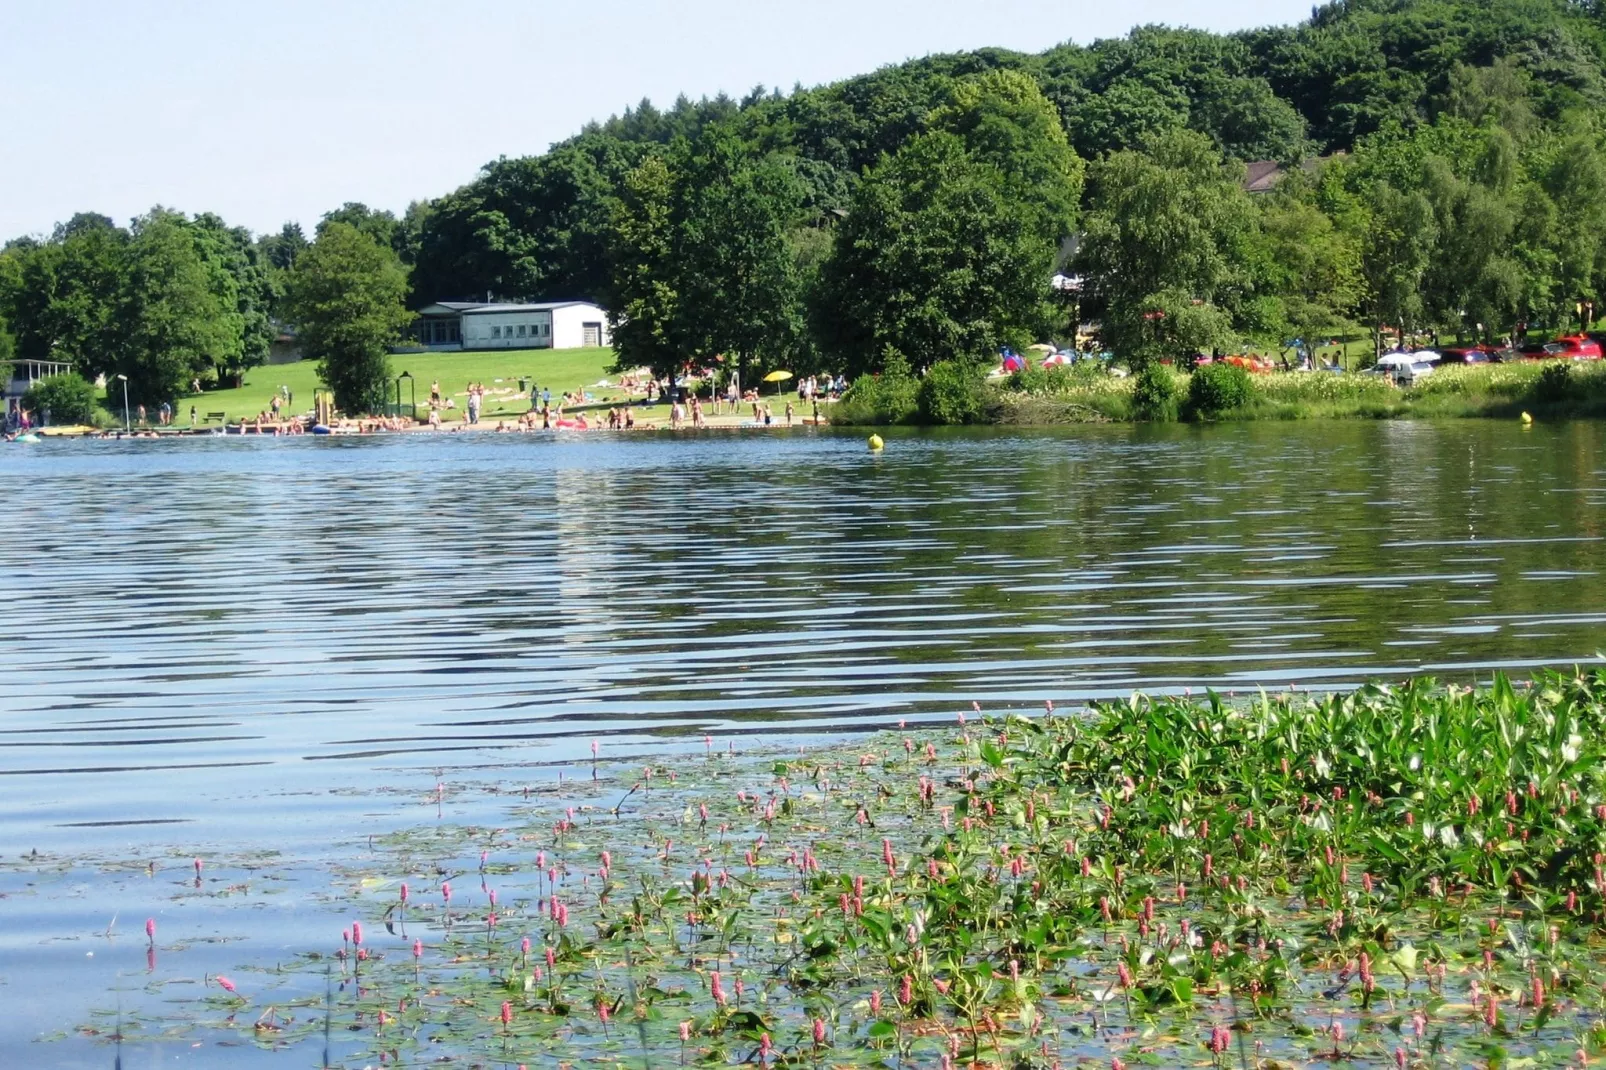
(24, 373)
(452, 325)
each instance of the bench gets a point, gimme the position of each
(216, 417)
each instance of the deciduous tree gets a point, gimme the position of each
(346, 297)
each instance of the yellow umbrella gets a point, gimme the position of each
(777, 378)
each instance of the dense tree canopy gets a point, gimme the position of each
(1167, 247)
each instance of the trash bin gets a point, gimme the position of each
(524, 385)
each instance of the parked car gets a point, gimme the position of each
(1405, 368)
(1577, 347)
(1460, 355)
(1538, 350)
(1472, 355)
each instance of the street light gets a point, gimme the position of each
(126, 425)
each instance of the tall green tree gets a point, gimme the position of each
(61, 295)
(1309, 267)
(376, 223)
(738, 290)
(241, 276)
(1005, 121)
(1398, 246)
(173, 322)
(282, 249)
(643, 271)
(1165, 255)
(346, 295)
(935, 261)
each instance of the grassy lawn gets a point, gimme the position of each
(558, 370)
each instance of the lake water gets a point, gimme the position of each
(234, 648)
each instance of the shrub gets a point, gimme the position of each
(951, 393)
(1154, 394)
(1217, 389)
(69, 399)
(1555, 383)
(872, 400)
(1070, 379)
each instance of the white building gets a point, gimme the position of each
(452, 325)
(25, 372)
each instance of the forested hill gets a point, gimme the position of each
(528, 224)
(1451, 175)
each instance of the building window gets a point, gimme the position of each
(496, 332)
(521, 330)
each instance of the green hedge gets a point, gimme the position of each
(1217, 389)
(68, 398)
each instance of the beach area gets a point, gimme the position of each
(451, 393)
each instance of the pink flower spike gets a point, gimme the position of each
(418, 949)
(150, 928)
(225, 984)
(356, 934)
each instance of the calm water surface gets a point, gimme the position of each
(228, 646)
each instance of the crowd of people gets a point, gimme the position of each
(691, 403)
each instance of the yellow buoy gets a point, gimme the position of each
(1527, 419)
(875, 442)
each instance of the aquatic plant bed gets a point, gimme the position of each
(1395, 877)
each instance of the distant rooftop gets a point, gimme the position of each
(1261, 176)
(468, 307)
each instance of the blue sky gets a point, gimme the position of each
(271, 110)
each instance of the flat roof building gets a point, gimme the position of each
(453, 325)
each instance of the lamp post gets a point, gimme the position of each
(127, 426)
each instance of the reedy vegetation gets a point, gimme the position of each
(1088, 394)
(1409, 875)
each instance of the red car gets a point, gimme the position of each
(1575, 347)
